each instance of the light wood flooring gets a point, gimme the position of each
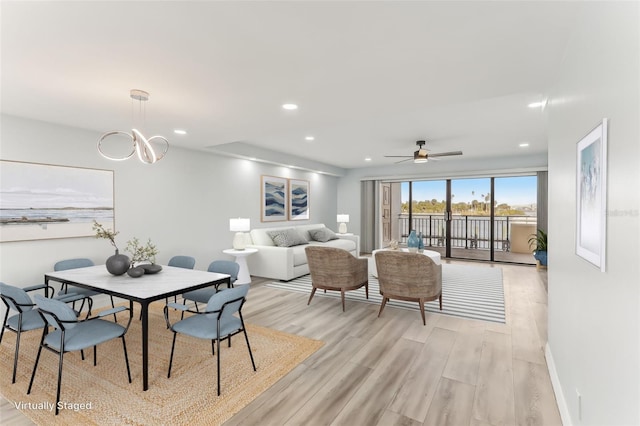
(395, 371)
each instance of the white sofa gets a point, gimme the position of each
(287, 263)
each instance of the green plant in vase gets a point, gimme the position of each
(142, 253)
(117, 264)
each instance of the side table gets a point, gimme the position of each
(241, 259)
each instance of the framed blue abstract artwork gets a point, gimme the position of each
(591, 196)
(274, 199)
(298, 199)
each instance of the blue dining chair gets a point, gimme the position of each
(67, 264)
(204, 294)
(186, 262)
(72, 334)
(27, 318)
(216, 323)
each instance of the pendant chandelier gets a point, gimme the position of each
(141, 146)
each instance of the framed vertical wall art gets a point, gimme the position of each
(298, 199)
(591, 196)
(45, 201)
(274, 199)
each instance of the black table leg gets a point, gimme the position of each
(145, 345)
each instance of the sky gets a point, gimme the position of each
(519, 190)
(32, 185)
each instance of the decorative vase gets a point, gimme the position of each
(413, 242)
(420, 242)
(135, 272)
(118, 264)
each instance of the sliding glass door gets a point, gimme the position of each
(471, 225)
(472, 218)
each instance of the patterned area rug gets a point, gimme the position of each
(102, 395)
(467, 291)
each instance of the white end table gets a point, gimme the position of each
(241, 259)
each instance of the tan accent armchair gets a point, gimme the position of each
(336, 269)
(408, 276)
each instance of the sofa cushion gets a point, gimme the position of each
(287, 238)
(322, 235)
(341, 243)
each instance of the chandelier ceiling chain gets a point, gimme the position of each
(141, 146)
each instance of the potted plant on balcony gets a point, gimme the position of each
(539, 241)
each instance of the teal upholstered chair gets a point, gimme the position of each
(186, 262)
(71, 334)
(204, 294)
(27, 318)
(218, 322)
(64, 265)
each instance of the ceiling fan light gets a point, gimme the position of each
(420, 156)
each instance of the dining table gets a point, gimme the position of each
(170, 281)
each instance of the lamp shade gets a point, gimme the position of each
(239, 224)
(343, 218)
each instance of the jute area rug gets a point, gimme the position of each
(102, 394)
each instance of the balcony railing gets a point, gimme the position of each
(467, 231)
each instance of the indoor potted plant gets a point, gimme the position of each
(142, 253)
(539, 241)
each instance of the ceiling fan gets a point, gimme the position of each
(422, 155)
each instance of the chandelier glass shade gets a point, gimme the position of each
(140, 145)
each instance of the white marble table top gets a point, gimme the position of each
(166, 281)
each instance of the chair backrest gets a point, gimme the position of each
(61, 310)
(218, 300)
(186, 262)
(63, 265)
(12, 295)
(411, 275)
(329, 265)
(228, 267)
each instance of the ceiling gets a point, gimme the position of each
(370, 78)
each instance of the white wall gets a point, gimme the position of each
(183, 203)
(594, 333)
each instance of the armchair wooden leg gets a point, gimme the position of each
(342, 297)
(313, 291)
(440, 299)
(424, 321)
(384, 302)
(366, 289)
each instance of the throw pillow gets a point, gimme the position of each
(323, 235)
(287, 238)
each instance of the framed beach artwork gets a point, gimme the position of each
(298, 199)
(274, 199)
(44, 201)
(591, 196)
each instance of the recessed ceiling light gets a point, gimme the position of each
(290, 107)
(180, 132)
(524, 145)
(537, 104)
(367, 159)
(309, 138)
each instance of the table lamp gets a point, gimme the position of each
(239, 226)
(343, 219)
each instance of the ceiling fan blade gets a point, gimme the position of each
(399, 156)
(445, 154)
(402, 161)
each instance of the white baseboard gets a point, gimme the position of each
(557, 388)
